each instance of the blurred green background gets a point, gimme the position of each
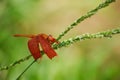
(97, 59)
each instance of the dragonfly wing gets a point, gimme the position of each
(33, 46)
(46, 46)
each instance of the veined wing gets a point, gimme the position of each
(46, 46)
(33, 46)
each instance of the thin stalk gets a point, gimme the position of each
(25, 70)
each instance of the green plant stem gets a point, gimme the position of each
(25, 70)
(104, 34)
(82, 18)
(14, 63)
(108, 34)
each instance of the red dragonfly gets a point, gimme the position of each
(44, 40)
(33, 44)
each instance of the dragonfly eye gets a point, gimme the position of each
(51, 39)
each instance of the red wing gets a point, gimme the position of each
(33, 46)
(46, 46)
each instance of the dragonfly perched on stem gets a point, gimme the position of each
(33, 44)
